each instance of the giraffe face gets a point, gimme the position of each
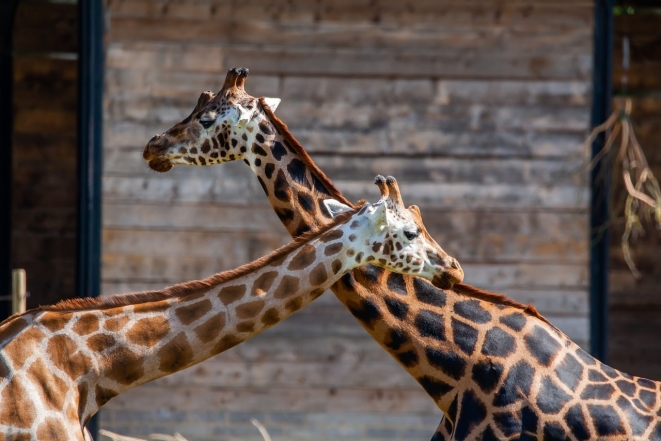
(220, 128)
(399, 242)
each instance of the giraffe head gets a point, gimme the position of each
(220, 128)
(398, 240)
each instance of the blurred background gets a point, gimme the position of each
(478, 108)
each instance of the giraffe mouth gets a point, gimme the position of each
(447, 280)
(160, 165)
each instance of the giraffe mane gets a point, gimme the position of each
(305, 158)
(498, 299)
(187, 288)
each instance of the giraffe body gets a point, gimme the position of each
(496, 368)
(60, 364)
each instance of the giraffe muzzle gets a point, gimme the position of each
(153, 155)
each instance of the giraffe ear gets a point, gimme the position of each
(273, 103)
(245, 116)
(380, 215)
(334, 207)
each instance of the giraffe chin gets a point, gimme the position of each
(160, 165)
(444, 281)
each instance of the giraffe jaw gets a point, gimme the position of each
(160, 165)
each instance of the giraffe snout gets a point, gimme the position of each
(153, 154)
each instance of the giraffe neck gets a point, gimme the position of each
(105, 347)
(494, 367)
(295, 187)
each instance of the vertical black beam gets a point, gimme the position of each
(90, 120)
(7, 14)
(599, 239)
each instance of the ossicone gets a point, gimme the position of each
(236, 78)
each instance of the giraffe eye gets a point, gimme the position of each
(207, 124)
(411, 234)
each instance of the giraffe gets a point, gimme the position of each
(496, 368)
(59, 364)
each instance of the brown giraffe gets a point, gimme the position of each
(59, 364)
(496, 368)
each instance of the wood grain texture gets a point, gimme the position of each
(477, 107)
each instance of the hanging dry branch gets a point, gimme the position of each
(643, 195)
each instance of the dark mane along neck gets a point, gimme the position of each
(498, 299)
(192, 287)
(303, 155)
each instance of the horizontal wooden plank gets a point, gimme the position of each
(40, 78)
(472, 235)
(46, 27)
(274, 60)
(456, 195)
(234, 29)
(511, 14)
(371, 116)
(154, 394)
(182, 89)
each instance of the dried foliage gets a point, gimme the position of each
(640, 202)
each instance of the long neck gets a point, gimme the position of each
(113, 348)
(295, 188)
(408, 316)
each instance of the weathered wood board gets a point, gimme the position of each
(477, 107)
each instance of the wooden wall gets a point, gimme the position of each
(635, 305)
(477, 107)
(45, 149)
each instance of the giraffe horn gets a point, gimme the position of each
(236, 78)
(380, 181)
(393, 191)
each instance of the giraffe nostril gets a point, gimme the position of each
(454, 264)
(154, 138)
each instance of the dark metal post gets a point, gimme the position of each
(90, 120)
(7, 14)
(599, 217)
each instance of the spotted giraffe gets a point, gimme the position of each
(59, 364)
(496, 368)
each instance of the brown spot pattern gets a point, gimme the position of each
(176, 354)
(86, 324)
(245, 326)
(271, 317)
(250, 310)
(331, 236)
(103, 395)
(100, 342)
(55, 321)
(148, 331)
(263, 283)
(294, 304)
(208, 330)
(19, 349)
(288, 286)
(304, 258)
(115, 324)
(52, 430)
(333, 249)
(227, 342)
(230, 294)
(64, 354)
(336, 266)
(190, 313)
(17, 409)
(318, 275)
(122, 365)
(54, 388)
